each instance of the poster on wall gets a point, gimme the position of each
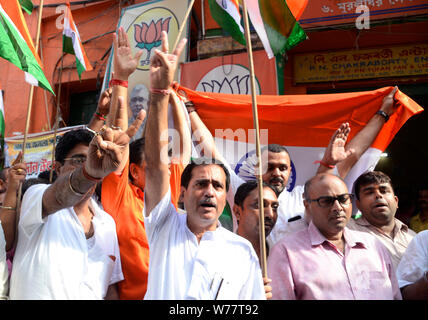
(230, 74)
(144, 23)
(38, 150)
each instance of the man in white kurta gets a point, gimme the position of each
(412, 271)
(191, 255)
(4, 273)
(53, 258)
(222, 266)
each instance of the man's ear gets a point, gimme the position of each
(306, 204)
(181, 197)
(58, 167)
(237, 212)
(357, 203)
(133, 170)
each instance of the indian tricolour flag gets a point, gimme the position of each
(226, 14)
(16, 45)
(72, 44)
(274, 21)
(303, 124)
(275, 24)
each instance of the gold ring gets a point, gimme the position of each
(19, 170)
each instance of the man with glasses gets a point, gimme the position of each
(327, 260)
(378, 204)
(67, 246)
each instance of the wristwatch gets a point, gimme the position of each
(383, 114)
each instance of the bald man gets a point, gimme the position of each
(326, 260)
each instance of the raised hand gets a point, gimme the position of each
(104, 102)
(335, 151)
(388, 102)
(124, 63)
(17, 172)
(163, 65)
(108, 148)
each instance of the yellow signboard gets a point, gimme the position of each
(361, 64)
(38, 150)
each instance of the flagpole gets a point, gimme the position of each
(56, 125)
(258, 152)
(48, 117)
(180, 31)
(27, 123)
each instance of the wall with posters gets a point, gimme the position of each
(230, 74)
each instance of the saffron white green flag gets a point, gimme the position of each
(16, 45)
(72, 44)
(226, 14)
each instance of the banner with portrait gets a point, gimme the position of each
(144, 23)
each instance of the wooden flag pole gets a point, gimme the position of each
(56, 125)
(48, 117)
(262, 257)
(27, 123)
(180, 31)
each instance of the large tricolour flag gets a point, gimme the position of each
(72, 44)
(16, 45)
(302, 123)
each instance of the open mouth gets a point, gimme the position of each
(208, 205)
(380, 205)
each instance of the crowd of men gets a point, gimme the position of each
(129, 217)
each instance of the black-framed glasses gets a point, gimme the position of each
(328, 201)
(76, 160)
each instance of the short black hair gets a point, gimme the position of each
(136, 153)
(69, 140)
(186, 176)
(245, 189)
(275, 148)
(370, 177)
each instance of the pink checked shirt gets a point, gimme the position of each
(306, 266)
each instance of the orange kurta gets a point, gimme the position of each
(125, 203)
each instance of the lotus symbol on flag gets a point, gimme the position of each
(148, 36)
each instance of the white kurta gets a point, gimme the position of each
(222, 265)
(290, 205)
(414, 262)
(53, 259)
(4, 272)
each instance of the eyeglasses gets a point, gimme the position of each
(327, 201)
(77, 160)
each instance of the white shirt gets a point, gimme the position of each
(414, 262)
(4, 273)
(53, 259)
(223, 264)
(290, 205)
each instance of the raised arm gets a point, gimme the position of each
(365, 137)
(203, 135)
(8, 210)
(124, 64)
(180, 125)
(162, 69)
(99, 117)
(106, 152)
(346, 155)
